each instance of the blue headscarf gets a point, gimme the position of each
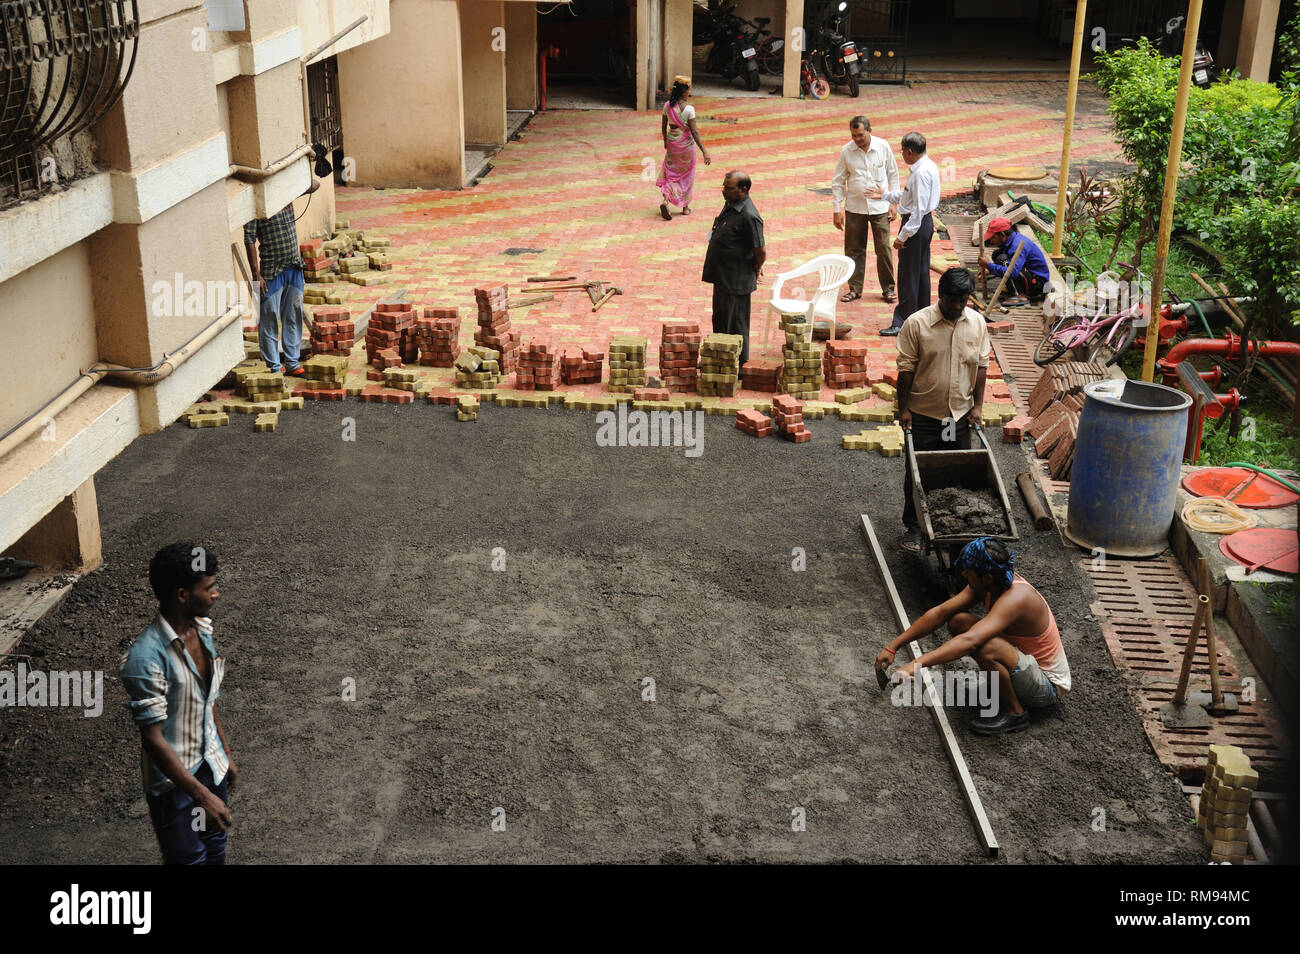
(975, 556)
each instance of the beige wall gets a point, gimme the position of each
(265, 113)
(417, 138)
(321, 19)
(483, 63)
(677, 47)
(47, 332)
(521, 56)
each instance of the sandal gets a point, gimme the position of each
(686, 210)
(663, 210)
(851, 296)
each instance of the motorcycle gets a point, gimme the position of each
(1169, 42)
(733, 51)
(838, 54)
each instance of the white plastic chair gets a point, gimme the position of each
(833, 272)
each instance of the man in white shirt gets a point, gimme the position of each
(866, 161)
(916, 202)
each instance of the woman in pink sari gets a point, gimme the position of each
(677, 177)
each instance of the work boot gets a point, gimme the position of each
(1000, 723)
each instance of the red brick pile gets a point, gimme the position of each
(436, 335)
(539, 366)
(494, 325)
(787, 415)
(317, 264)
(1054, 405)
(1013, 431)
(844, 364)
(391, 329)
(761, 375)
(333, 331)
(652, 394)
(679, 355)
(754, 422)
(581, 366)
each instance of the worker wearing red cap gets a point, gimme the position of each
(1030, 275)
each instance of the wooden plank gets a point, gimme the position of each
(953, 750)
(24, 601)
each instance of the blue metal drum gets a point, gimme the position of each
(1124, 481)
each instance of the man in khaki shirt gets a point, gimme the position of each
(943, 359)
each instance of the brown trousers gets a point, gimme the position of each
(856, 227)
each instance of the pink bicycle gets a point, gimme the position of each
(1102, 338)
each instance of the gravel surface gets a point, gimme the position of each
(523, 689)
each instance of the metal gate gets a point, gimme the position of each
(879, 28)
(323, 103)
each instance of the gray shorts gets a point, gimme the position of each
(1031, 685)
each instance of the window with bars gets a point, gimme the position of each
(63, 64)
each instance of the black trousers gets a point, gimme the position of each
(731, 317)
(927, 435)
(1027, 284)
(914, 271)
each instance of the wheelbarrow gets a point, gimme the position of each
(972, 469)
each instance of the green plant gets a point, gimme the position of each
(1264, 442)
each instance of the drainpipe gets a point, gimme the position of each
(251, 174)
(98, 371)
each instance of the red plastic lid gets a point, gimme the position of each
(1263, 548)
(1244, 487)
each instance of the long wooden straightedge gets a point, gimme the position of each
(950, 746)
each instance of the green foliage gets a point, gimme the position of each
(1262, 256)
(1274, 445)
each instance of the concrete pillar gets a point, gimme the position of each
(677, 39)
(1229, 33)
(483, 64)
(521, 56)
(266, 115)
(1258, 33)
(795, 44)
(640, 29)
(67, 538)
(401, 100)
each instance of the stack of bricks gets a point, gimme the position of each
(376, 252)
(844, 364)
(801, 371)
(761, 375)
(478, 367)
(317, 264)
(1224, 811)
(1054, 405)
(787, 415)
(720, 365)
(581, 366)
(494, 324)
(325, 377)
(679, 356)
(437, 337)
(888, 440)
(332, 331)
(399, 379)
(206, 415)
(390, 336)
(264, 386)
(466, 407)
(627, 355)
(352, 267)
(1014, 430)
(539, 367)
(754, 422)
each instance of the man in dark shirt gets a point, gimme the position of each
(734, 261)
(1030, 276)
(272, 247)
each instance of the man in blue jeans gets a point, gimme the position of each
(173, 675)
(272, 248)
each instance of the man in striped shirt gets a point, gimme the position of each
(272, 249)
(173, 675)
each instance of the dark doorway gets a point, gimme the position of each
(592, 43)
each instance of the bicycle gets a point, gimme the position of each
(1105, 337)
(811, 83)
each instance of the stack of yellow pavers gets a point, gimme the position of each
(888, 440)
(1225, 802)
(627, 360)
(720, 365)
(801, 369)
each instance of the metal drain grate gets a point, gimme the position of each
(1152, 651)
(1185, 750)
(1140, 589)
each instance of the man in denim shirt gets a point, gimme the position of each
(173, 675)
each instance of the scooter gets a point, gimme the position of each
(733, 51)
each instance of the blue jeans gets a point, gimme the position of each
(281, 306)
(174, 821)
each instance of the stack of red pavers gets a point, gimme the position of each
(844, 364)
(494, 325)
(761, 375)
(754, 422)
(581, 366)
(679, 355)
(332, 331)
(787, 414)
(539, 367)
(437, 335)
(316, 264)
(390, 337)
